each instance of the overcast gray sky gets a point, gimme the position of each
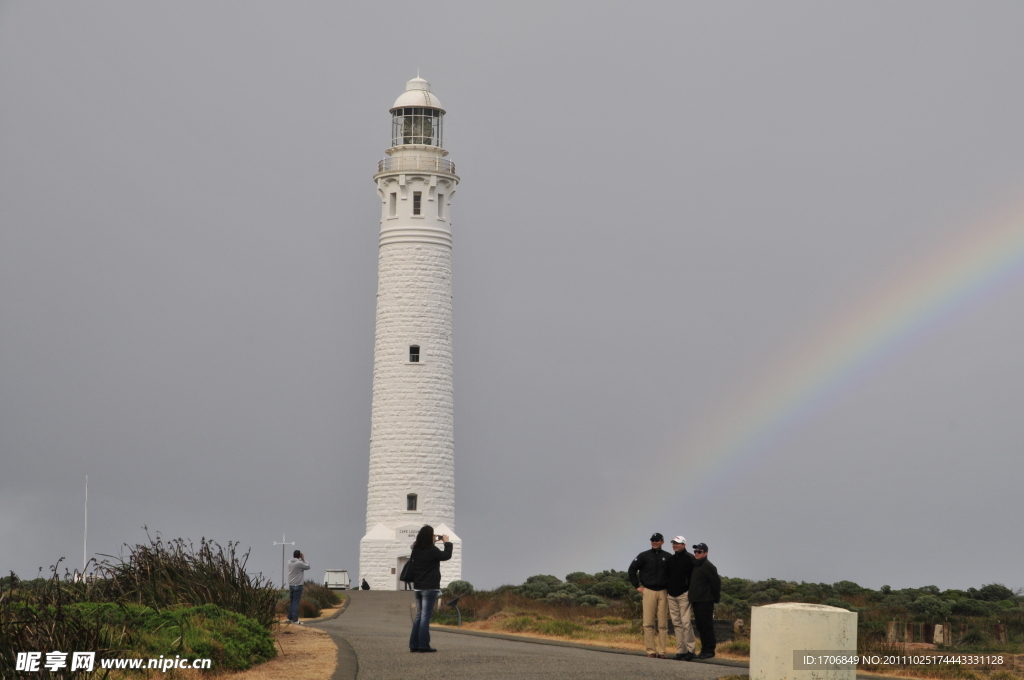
(668, 213)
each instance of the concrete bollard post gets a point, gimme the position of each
(1000, 633)
(938, 636)
(779, 631)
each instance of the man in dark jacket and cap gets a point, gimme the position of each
(705, 591)
(680, 567)
(649, 575)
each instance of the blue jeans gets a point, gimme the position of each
(425, 600)
(293, 607)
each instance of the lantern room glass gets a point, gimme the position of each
(416, 125)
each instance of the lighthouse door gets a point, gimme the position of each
(398, 579)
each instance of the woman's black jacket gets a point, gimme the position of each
(705, 584)
(426, 566)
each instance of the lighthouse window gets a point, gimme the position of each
(414, 353)
(392, 204)
(416, 125)
(440, 206)
(410, 502)
(416, 195)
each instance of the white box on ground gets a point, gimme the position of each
(778, 631)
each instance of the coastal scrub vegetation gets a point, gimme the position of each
(160, 598)
(604, 608)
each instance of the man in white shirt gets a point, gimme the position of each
(297, 567)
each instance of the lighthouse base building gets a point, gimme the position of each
(384, 551)
(412, 445)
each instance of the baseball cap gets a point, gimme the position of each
(679, 539)
(701, 546)
(657, 537)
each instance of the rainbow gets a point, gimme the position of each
(966, 268)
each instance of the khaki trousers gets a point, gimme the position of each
(655, 620)
(679, 610)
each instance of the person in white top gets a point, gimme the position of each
(297, 567)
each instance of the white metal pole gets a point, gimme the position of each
(283, 544)
(85, 540)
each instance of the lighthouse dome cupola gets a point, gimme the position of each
(417, 116)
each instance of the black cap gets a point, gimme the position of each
(657, 537)
(701, 546)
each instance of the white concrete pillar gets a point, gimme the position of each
(779, 633)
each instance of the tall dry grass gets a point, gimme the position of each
(176, 572)
(52, 614)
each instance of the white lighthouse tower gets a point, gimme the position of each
(412, 446)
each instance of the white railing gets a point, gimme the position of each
(416, 163)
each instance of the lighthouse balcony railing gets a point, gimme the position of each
(416, 163)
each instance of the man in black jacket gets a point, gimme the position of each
(680, 566)
(705, 591)
(649, 575)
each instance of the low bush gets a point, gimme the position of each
(321, 594)
(457, 588)
(232, 641)
(308, 609)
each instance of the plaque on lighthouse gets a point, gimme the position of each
(412, 445)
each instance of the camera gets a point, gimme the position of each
(436, 538)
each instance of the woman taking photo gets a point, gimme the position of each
(426, 568)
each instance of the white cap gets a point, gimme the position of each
(417, 93)
(679, 539)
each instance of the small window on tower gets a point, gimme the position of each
(414, 353)
(440, 206)
(392, 204)
(416, 202)
(410, 502)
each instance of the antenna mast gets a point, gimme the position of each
(85, 540)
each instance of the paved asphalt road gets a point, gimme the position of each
(373, 633)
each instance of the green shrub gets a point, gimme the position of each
(847, 588)
(930, 608)
(308, 609)
(539, 586)
(321, 594)
(970, 608)
(231, 640)
(610, 588)
(457, 588)
(47, 618)
(993, 592)
(765, 597)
